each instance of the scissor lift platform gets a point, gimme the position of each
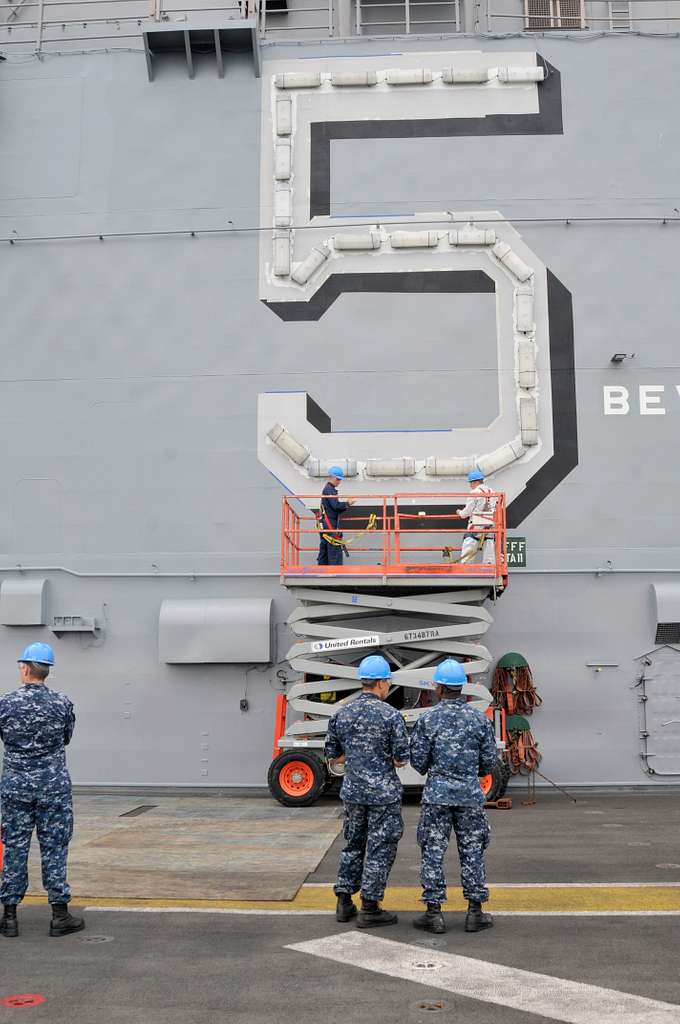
(401, 540)
(403, 592)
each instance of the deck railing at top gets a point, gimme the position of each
(396, 535)
(651, 16)
(55, 25)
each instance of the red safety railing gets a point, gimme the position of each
(398, 535)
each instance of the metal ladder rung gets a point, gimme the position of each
(619, 16)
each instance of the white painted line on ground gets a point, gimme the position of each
(554, 998)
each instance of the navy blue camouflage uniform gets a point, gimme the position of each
(372, 736)
(331, 510)
(454, 743)
(36, 724)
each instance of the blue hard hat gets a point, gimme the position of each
(338, 473)
(374, 667)
(475, 474)
(38, 652)
(449, 673)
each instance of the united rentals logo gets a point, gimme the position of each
(349, 644)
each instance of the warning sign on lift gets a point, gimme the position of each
(516, 552)
(346, 645)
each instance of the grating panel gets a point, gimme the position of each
(546, 14)
(668, 633)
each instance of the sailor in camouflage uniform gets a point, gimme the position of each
(36, 724)
(370, 737)
(455, 744)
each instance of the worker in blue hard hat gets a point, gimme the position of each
(370, 737)
(480, 513)
(453, 743)
(36, 724)
(331, 547)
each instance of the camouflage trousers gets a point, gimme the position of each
(372, 833)
(52, 818)
(472, 836)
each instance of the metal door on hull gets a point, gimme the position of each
(660, 700)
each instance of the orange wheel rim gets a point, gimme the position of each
(296, 778)
(485, 783)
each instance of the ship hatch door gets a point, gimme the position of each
(661, 711)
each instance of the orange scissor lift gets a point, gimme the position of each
(401, 591)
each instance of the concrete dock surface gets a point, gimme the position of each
(587, 927)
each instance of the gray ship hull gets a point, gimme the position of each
(143, 372)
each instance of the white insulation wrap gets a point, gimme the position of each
(282, 161)
(465, 76)
(528, 420)
(309, 266)
(414, 239)
(526, 358)
(524, 309)
(450, 467)
(365, 240)
(320, 467)
(511, 261)
(279, 436)
(281, 255)
(298, 80)
(364, 78)
(507, 74)
(391, 467)
(282, 208)
(405, 76)
(471, 235)
(502, 457)
(284, 116)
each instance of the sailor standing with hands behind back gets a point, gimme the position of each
(36, 724)
(369, 736)
(454, 743)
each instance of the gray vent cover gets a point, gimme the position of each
(667, 633)
(666, 602)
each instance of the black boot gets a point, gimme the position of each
(371, 916)
(432, 920)
(62, 922)
(8, 925)
(476, 919)
(344, 908)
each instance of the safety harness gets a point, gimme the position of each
(484, 517)
(513, 689)
(326, 532)
(522, 753)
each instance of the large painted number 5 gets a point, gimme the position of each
(532, 445)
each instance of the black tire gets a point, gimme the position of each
(281, 787)
(500, 777)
